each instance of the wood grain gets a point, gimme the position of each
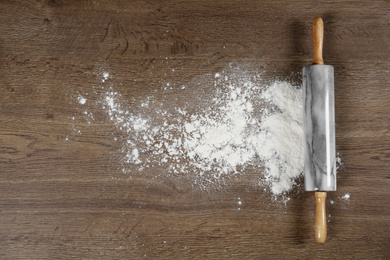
(64, 199)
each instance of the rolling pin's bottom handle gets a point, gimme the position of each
(320, 226)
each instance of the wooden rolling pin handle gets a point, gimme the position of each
(320, 228)
(318, 40)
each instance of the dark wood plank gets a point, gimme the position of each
(62, 193)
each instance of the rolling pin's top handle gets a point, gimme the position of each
(318, 39)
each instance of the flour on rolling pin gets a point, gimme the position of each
(243, 123)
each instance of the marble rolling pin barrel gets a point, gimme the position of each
(319, 129)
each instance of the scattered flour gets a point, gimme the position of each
(281, 139)
(82, 100)
(223, 138)
(105, 75)
(346, 196)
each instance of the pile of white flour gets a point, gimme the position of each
(280, 141)
(244, 123)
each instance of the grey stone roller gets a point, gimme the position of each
(319, 128)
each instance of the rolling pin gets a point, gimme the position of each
(319, 129)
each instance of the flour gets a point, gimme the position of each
(346, 196)
(246, 123)
(105, 75)
(281, 139)
(82, 100)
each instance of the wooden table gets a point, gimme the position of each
(62, 192)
